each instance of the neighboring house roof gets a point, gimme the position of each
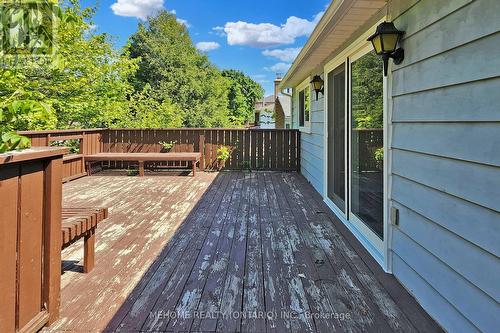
(337, 27)
(286, 104)
(266, 103)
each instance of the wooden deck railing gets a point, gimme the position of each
(255, 149)
(30, 238)
(90, 142)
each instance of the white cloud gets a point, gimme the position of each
(287, 55)
(136, 8)
(267, 34)
(181, 21)
(207, 46)
(280, 67)
(184, 22)
(219, 31)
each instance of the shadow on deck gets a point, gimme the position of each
(227, 252)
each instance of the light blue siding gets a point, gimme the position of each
(446, 161)
(312, 143)
(445, 151)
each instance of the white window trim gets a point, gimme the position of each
(302, 86)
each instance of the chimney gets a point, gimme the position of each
(277, 82)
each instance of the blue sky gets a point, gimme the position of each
(259, 37)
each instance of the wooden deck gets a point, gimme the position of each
(225, 252)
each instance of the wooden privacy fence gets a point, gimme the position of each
(256, 149)
(366, 142)
(30, 238)
(250, 148)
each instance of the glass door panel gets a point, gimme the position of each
(336, 137)
(367, 133)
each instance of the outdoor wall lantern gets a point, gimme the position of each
(318, 85)
(385, 41)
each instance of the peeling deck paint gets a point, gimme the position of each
(220, 244)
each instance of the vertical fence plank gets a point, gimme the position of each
(52, 238)
(253, 147)
(8, 231)
(30, 242)
(293, 150)
(286, 150)
(279, 150)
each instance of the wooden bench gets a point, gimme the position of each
(80, 223)
(193, 158)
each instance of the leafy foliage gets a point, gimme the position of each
(178, 73)
(223, 153)
(13, 112)
(73, 145)
(243, 92)
(367, 92)
(167, 145)
(378, 155)
(158, 80)
(146, 111)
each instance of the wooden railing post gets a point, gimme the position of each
(202, 151)
(52, 238)
(30, 237)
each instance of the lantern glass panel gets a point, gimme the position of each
(377, 44)
(390, 42)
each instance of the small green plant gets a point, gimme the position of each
(167, 145)
(223, 153)
(132, 173)
(379, 154)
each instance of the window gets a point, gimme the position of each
(304, 105)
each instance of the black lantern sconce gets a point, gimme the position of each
(318, 85)
(385, 41)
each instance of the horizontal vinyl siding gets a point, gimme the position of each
(446, 161)
(312, 143)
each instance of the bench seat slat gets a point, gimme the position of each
(77, 222)
(144, 157)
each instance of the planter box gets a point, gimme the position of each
(30, 238)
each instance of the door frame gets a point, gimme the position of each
(379, 250)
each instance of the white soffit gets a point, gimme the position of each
(339, 23)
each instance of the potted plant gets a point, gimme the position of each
(379, 158)
(222, 156)
(167, 146)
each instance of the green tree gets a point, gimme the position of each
(145, 111)
(177, 72)
(367, 92)
(84, 85)
(243, 92)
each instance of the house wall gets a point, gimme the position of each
(312, 142)
(279, 116)
(446, 161)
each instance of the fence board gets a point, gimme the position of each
(8, 230)
(30, 242)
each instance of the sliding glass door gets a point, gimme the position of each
(355, 144)
(367, 142)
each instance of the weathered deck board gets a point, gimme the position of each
(228, 252)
